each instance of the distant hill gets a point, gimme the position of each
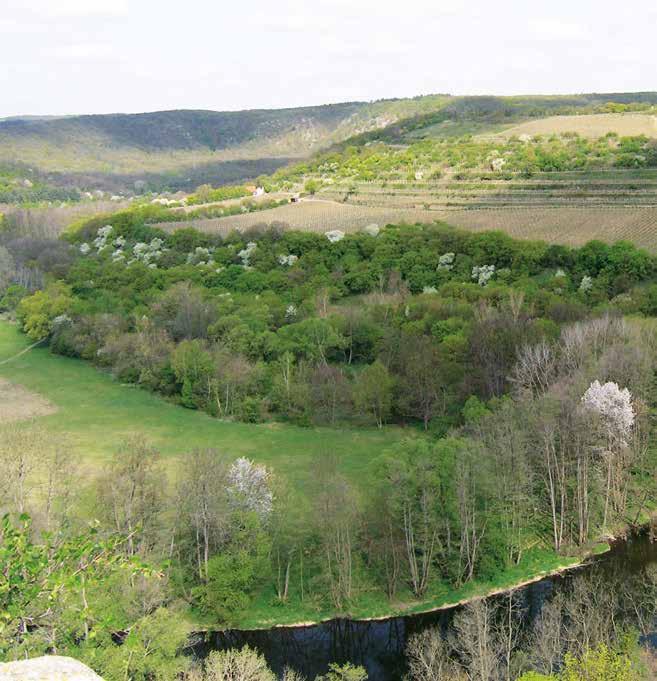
(182, 149)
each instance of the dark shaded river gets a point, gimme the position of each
(379, 645)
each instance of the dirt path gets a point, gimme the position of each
(19, 404)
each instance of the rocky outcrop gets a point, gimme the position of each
(49, 668)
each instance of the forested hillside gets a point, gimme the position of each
(187, 148)
(183, 149)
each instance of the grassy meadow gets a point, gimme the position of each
(95, 414)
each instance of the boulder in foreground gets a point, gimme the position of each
(48, 668)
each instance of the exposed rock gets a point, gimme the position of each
(48, 668)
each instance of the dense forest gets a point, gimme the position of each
(520, 374)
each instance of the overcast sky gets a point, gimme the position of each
(100, 56)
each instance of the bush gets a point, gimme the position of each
(38, 313)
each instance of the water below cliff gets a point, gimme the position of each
(379, 645)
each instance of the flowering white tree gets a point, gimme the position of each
(586, 284)
(482, 274)
(446, 261)
(614, 407)
(334, 235)
(249, 487)
(245, 254)
(616, 412)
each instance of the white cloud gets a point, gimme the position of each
(554, 29)
(81, 51)
(73, 8)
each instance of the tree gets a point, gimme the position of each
(311, 338)
(345, 672)
(38, 313)
(475, 641)
(184, 312)
(204, 505)
(245, 664)
(132, 495)
(373, 392)
(614, 407)
(337, 514)
(249, 488)
(329, 392)
(6, 269)
(600, 664)
(152, 649)
(45, 589)
(236, 570)
(417, 482)
(428, 656)
(193, 367)
(421, 390)
(235, 378)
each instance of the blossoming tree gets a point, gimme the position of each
(615, 411)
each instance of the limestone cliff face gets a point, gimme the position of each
(49, 668)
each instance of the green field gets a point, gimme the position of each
(95, 414)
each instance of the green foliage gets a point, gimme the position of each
(373, 391)
(12, 297)
(193, 367)
(599, 664)
(236, 570)
(344, 672)
(151, 651)
(43, 586)
(38, 313)
(312, 339)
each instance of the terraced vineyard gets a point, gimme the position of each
(572, 226)
(311, 215)
(489, 190)
(559, 187)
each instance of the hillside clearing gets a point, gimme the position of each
(592, 125)
(95, 414)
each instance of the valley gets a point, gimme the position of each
(355, 362)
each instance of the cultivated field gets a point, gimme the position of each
(593, 125)
(563, 225)
(570, 225)
(310, 215)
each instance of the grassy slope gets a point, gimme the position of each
(95, 413)
(595, 125)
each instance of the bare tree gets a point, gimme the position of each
(204, 504)
(337, 518)
(475, 641)
(428, 656)
(132, 493)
